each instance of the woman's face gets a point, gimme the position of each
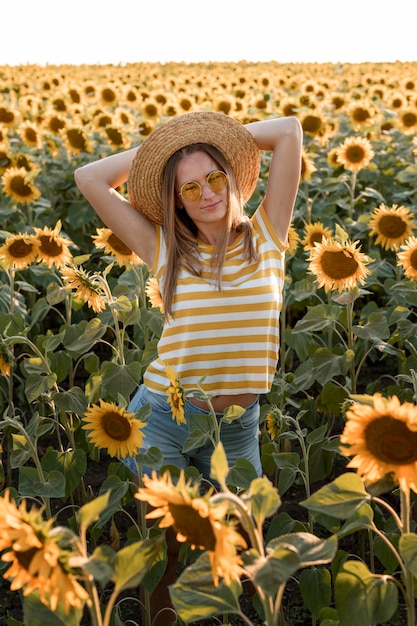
(208, 211)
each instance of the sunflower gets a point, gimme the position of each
(355, 153)
(175, 396)
(407, 120)
(53, 122)
(30, 135)
(315, 233)
(338, 265)
(5, 158)
(19, 251)
(114, 429)
(407, 258)
(392, 226)
(195, 520)
(382, 438)
(288, 106)
(37, 563)
(275, 423)
(17, 184)
(307, 166)
(53, 248)
(85, 287)
(75, 140)
(9, 117)
(293, 240)
(116, 137)
(313, 123)
(362, 114)
(332, 158)
(154, 294)
(107, 240)
(108, 96)
(5, 364)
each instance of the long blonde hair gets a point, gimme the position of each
(181, 232)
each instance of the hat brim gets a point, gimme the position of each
(226, 134)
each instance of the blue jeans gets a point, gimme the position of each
(239, 439)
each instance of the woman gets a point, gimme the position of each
(220, 273)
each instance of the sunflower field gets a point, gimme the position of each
(331, 526)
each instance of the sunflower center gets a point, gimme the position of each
(116, 426)
(338, 265)
(76, 138)
(355, 154)
(118, 245)
(392, 226)
(312, 124)
(19, 249)
(24, 558)
(361, 115)
(390, 441)
(316, 237)
(19, 186)
(50, 246)
(197, 529)
(31, 135)
(409, 119)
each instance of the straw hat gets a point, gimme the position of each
(217, 129)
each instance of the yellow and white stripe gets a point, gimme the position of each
(230, 337)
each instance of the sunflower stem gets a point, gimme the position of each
(409, 578)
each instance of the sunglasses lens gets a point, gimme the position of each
(191, 191)
(217, 181)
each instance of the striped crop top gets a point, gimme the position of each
(230, 337)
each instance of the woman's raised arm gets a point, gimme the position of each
(98, 181)
(284, 137)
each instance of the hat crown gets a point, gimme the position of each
(228, 135)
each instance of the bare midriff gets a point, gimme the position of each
(220, 403)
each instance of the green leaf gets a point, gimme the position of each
(316, 589)
(263, 499)
(241, 474)
(196, 439)
(73, 401)
(327, 365)
(30, 483)
(318, 318)
(219, 467)
(340, 498)
(275, 569)
(120, 379)
(117, 489)
(311, 550)
(195, 597)
(361, 519)
(286, 479)
(363, 598)
(375, 328)
(317, 435)
(20, 452)
(83, 336)
(90, 512)
(101, 564)
(134, 561)
(37, 384)
(408, 550)
(232, 413)
(285, 460)
(72, 464)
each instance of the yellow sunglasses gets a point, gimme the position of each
(193, 191)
